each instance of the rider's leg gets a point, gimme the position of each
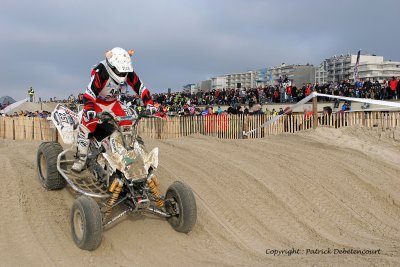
(83, 146)
(87, 127)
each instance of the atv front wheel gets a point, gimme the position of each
(181, 204)
(46, 161)
(86, 223)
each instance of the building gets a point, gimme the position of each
(263, 77)
(297, 74)
(203, 86)
(189, 88)
(334, 69)
(242, 80)
(321, 74)
(218, 82)
(247, 79)
(339, 68)
(375, 68)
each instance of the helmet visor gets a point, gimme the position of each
(120, 74)
(114, 69)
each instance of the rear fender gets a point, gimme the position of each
(65, 121)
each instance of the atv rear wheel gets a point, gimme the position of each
(46, 161)
(86, 223)
(181, 203)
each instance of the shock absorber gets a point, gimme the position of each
(153, 184)
(115, 188)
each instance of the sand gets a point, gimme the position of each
(326, 189)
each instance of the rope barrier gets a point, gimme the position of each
(362, 100)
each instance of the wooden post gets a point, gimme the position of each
(158, 128)
(4, 128)
(396, 119)
(315, 112)
(40, 129)
(33, 129)
(56, 134)
(393, 121)
(25, 122)
(13, 129)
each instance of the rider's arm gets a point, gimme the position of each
(137, 85)
(99, 77)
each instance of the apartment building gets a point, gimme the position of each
(297, 74)
(189, 88)
(321, 75)
(239, 80)
(334, 69)
(218, 82)
(376, 69)
(339, 68)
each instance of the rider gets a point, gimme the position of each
(108, 82)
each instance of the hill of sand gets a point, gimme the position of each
(326, 189)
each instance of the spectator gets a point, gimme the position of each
(398, 88)
(346, 106)
(393, 87)
(257, 110)
(31, 94)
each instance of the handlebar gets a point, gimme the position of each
(106, 116)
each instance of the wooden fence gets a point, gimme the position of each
(233, 126)
(23, 128)
(223, 126)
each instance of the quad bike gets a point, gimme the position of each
(119, 178)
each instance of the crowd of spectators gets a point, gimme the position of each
(29, 114)
(284, 92)
(250, 100)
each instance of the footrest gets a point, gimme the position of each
(84, 182)
(87, 182)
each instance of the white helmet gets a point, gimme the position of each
(119, 63)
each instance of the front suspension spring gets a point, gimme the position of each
(153, 184)
(115, 188)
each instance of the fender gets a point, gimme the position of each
(65, 121)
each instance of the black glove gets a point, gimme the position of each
(89, 115)
(150, 109)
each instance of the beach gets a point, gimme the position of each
(318, 197)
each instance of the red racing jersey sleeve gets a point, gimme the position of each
(98, 79)
(139, 88)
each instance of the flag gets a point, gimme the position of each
(356, 66)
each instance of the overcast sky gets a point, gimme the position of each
(52, 44)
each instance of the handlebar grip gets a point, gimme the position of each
(106, 116)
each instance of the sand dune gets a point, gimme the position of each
(323, 189)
